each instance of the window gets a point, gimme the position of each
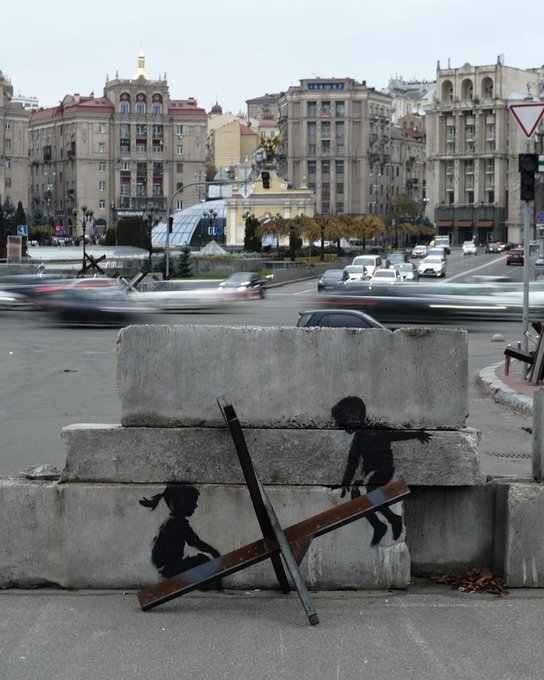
(179, 150)
(326, 146)
(339, 208)
(102, 147)
(312, 109)
(102, 204)
(140, 189)
(140, 107)
(7, 143)
(179, 168)
(124, 107)
(179, 205)
(326, 190)
(140, 148)
(102, 166)
(179, 130)
(124, 131)
(311, 186)
(157, 189)
(339, 167)
(311, 149)
(340, 130)
(7, 162)
(101, 127)
(125, 165)
(340, 108)
(7, 182)
(102, 185)
(141, 130)
(7, 125)
(156, 108)
(312, 128)
(312, 167)
(325, 108)
(157, 169)
(179, 185)
(157, 131)
(141, 169)
(325, 130)
(339, 187)
(325, 167)
(491, 197)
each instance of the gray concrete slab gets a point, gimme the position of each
(427, 632)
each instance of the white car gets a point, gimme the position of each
(469, 248)
(354, 272)
(386, 276)
(432, 265)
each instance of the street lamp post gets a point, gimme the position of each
(152, 220)
(86, 218)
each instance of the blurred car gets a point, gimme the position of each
(515, 256)
(386, 276)
(355, 272)
(419, 251)
(438, 250)
(492, 247)
(432, 265)
(396, 258)
(407, 270)
(80, 303)
(182, 295)
(330, 279)
(337, 318)
(245, 284)
(469, 248)
(369, 262)
(505, 245)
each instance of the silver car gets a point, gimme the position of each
(432, 265)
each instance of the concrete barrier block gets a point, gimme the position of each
(170, 376)
(523, 545)
(450, 529)
(101, 536)
(144, 455)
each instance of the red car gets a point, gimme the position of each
(515, 256)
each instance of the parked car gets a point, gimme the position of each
(407, 270)
(469, 248)
(245, 284)
(419, 251)
(432, 265)
(370, 262)
(515, 256)
(355, 272)
(386, 276)
(330, 279)
(492, 247)
(337, 318)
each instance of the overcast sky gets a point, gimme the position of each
(233, 51)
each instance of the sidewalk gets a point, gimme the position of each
(513, 390)
(428, 632)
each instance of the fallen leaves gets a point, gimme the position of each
(474, 580)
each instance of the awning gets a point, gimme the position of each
(445, 223)
(484, 224)
(463, 223)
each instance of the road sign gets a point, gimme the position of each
(541, 164)
(22, 230)
(540, 216)
(528, 116)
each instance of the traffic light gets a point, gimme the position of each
(528, 165)
(170, 224)
(265, 176)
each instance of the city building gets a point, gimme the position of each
(473, 142)
(116, 154)
(13, 147)
(29, 103)
(339, 141)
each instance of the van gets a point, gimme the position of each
(369, 262)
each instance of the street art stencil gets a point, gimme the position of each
(371, 450)
(176, 537)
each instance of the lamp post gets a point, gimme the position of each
(86, 218)
(211, 216)
(152, 216)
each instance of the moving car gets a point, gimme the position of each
(370, 262)
(245, 284)
(330, 279)
(396, 258)
(469, 248)
(386, 276)
(355, 272)
(419, 251)
(432, 265)
(493, 248)
(337, 318)
(407, 270)
(515, 256)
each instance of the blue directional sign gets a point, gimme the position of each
(22, 230)
(540, 216)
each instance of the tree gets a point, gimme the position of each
(252, 241)
(276, 226)
(133, 231)
(183, 266)
(9, 217)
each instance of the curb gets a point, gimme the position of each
(490, 384)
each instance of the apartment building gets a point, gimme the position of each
(116, 153)
(339, 141)
(473, 142)
(13, 146)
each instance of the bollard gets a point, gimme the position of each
(538, 435)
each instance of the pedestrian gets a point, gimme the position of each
(372, 450)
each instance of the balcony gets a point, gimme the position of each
(139, 203)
